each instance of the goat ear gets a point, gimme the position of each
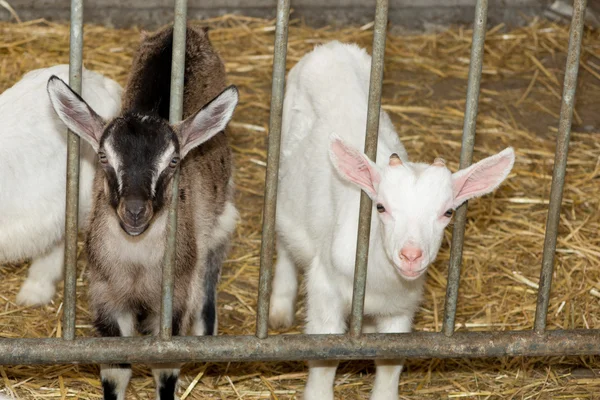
(76, 114)
(354, 166)
(207, 122)
(483, 177)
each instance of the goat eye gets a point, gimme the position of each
(174, 162)
(380, 208)
(103, 158)
(448, 213)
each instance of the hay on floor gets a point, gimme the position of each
(424, 89)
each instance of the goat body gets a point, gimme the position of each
(33, 154)
(321, 177)
(139, 152)
(206, 214)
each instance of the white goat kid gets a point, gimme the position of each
(33, 152)
(321, 176)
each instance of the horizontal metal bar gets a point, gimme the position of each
(466, 158)
(560, 163)
(72, 193)
(272, 173)
(175, 115)
(372, 130)
(299, 347)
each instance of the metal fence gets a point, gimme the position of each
(354, 345)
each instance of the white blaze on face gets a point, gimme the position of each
(114, 160)
(161, 163)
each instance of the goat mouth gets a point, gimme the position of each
(410, 274)
(134, 230)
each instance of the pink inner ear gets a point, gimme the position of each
(481, 178)
(355, 167)
(470, 186)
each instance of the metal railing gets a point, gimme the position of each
(354, 345)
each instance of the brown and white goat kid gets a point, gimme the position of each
(138, 155)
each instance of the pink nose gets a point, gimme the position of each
(411, 254)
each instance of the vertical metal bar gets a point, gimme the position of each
(72, 194)
(560, 163)
(466, 158)
(268, 227)
(175, 114)
(372, 130)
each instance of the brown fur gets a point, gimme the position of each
(203, 67)
(117, 284)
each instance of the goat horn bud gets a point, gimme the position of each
(395, 160)
(439, 162)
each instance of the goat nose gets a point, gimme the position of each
(411, 254)
(135, 208)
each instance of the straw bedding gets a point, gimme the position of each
(424, 89)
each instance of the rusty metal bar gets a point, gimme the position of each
(270, 205)
(72, 200)
(560, 163)
(299, 347)
(466, 158)
(372, 130)
(175, 114)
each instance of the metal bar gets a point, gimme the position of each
(175, 114)
(560, 163)
(372, 130)
(270, 205)
(466, 158)
(299, 347)
(72, 200)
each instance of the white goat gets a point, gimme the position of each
(321, 176)
(33, 151)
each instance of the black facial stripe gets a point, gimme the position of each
(160, 190)
(140, 143)
(113, 185)
(137, 183)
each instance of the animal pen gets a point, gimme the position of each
(447, 342)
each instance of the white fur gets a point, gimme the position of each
(44, 272)
(119, 376)
(126, 324)
(113, 159)
(146, 249)
(226, 223)
(32, 174)
(317, 219)
(161, 165)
